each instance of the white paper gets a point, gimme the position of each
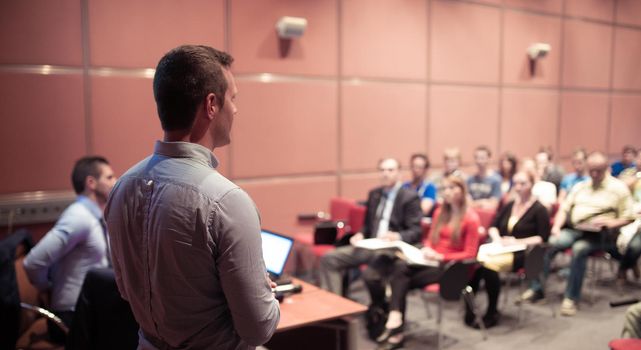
(411, 254)
(496, 249)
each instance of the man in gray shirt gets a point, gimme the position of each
(77, 242)
(185, 241)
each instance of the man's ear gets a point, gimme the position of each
(212, 104)
(90, 183)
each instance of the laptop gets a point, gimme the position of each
(276, 249)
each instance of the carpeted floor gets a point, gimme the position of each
(592, 328)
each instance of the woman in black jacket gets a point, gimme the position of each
(524, 220)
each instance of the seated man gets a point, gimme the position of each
(485, 185)
(592, 207)
(426, 190)
(76, 244)
(580, 173)
(548, 171)
(392, 213)
(628, 155)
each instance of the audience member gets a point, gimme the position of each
(426, 190)
(632, 322)
(507, 169)
(599, 204)
(454, 236)
(393, 213)
(543, 191)
(77, 243)
(632, 177)
(186, 242)
(523, 220)
(628, 155)
(548, 171)
(485, 185)
(451, 165)
(580, 173)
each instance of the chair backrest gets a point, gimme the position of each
(533, 264)
(339, 208)
(356, 217)
(454, 279)
(486, 216)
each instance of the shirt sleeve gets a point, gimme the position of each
(71, 228)
(542, 222)
(254, 310)
(412, 214)
(625, 207)
(430, 192)
(470, 236)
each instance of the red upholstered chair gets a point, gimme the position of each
(625, 344)
(338, 210)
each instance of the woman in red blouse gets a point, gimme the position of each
(453, 236)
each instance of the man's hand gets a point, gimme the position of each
(604, 222)
(391, 236)
(271, 283)
(555, 231)
(355, 238)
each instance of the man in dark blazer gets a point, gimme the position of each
(393, 213)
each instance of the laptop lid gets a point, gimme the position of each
(276, 249)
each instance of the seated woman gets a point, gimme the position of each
(453, 236)
(524, 220)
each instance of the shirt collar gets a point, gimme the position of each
(186, 150)
(90, 205)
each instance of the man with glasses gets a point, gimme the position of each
(593, 208)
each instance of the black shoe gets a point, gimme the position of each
(469, 319)
(391, 346)
(388, 333)
(489, 320)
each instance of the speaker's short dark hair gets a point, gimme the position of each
(84, 167)
(184, 76)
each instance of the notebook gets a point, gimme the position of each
(276, 249)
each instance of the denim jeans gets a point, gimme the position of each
(583, 244)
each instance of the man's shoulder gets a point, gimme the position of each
(614, 184)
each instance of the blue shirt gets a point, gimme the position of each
(62, 258)
(570, 180)
(427, 189)
(618, 167)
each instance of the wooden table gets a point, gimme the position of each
(315, 319)
(314, 305)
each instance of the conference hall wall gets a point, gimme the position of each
(369, 78)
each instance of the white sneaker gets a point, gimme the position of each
(568, 307)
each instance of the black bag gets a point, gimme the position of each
(375, 320)
(325, 232)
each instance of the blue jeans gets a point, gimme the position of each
(582, 244)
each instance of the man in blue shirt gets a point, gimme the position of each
(580, 173)
(627, 160)
(76, 244)
(426, 190)
(484, 186)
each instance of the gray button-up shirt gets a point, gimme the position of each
(186, 250)
(62, 258)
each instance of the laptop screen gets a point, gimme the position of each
(276, 248)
